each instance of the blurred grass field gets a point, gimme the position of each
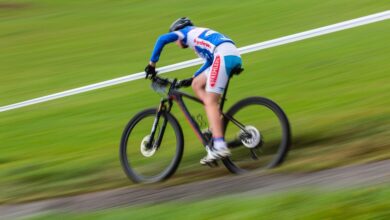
(359, 203)
(334, 88)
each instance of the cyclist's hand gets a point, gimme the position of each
(150, 71)
(185, 82)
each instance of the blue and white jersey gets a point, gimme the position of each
(202, 40)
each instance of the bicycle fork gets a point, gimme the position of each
(161, 109)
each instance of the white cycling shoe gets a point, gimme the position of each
(215, 154)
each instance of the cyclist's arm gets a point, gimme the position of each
(161, 42)
(206, 65)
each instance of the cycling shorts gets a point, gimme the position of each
(226, 58)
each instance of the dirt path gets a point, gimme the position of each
(255, 183)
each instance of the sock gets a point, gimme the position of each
(219, 143)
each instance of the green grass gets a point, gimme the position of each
(367, 203)
(334, 88)
(50, 46)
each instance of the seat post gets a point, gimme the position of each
(236, 71)
(223, 98)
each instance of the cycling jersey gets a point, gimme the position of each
(202, 40)
(218, 51)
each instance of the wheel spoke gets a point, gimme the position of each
(261, 119)
(144, 164)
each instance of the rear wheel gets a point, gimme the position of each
(144, 162)
(258, 134)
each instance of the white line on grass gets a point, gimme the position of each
(247, 49)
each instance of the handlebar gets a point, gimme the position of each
(162, 81)
(160, 84)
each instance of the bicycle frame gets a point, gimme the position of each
(177, 96)
(242, 123)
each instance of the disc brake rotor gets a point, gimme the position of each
(145, 150)
(252, 139)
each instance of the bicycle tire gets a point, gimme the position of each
(285, 142)
(129, 166)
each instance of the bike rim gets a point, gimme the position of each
(259, 120)
(156, 164)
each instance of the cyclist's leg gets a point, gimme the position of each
(215, 85)
(225, 59)
(211, 104)
(211, 97)
(219, 147)
(199, 84)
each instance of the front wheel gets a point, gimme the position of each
(150, 162)
(258, 134)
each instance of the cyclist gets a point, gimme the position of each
(220, 57)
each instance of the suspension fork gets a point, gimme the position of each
(161, 110)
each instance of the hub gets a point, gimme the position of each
(251, 139)
(145, 150)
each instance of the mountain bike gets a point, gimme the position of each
(256, 129)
